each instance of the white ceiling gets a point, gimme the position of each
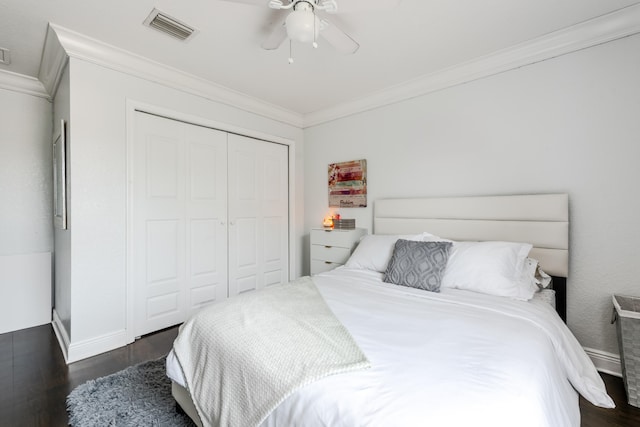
(416, 38)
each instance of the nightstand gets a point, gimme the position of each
(331, 248)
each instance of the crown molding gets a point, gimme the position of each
(621, 23)
(62, 43)
(79, 46)
(22, 84)
(52, 63)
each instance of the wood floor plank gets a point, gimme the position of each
(624, 415)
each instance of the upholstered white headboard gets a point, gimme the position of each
(541, 219)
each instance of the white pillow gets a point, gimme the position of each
(374, 251)
(495, 268)
(428, 237)
(529, 268)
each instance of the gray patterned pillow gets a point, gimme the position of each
(418, 264)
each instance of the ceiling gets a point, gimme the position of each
(416, 38)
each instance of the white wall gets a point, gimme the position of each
(98, 187)
(25, 173)
(25, 210)
(569, 124)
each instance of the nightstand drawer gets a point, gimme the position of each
(330, 253)
(322, 266)
(340, 238)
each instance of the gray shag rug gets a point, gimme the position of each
(137, 396)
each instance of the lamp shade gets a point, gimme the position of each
(300, 26)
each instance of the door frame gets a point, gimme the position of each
(133, 106)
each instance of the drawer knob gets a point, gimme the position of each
(328, 262)
(328, 247)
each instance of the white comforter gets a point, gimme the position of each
(456, 358)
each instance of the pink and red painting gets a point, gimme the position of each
(348, 184)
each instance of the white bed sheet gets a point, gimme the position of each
(455, 358)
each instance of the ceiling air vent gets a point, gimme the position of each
(5, 56)
(168, 25)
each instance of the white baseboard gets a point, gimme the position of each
(74, 351)
(606, 362)
(97, 345)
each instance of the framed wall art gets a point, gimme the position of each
(59, 178)
(348, 184)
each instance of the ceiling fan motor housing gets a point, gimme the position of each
(302, 23)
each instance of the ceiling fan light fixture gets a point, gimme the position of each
(303, 25)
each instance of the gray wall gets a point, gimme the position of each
(568, 124)
(25, 174)
(62, 238)
(26, 237)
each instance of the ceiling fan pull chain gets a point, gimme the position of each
(315, 34)
(290, 52)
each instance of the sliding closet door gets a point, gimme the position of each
(258, 214)
(179, 220)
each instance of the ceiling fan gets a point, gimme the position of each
(302, 23)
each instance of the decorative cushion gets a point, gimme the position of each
(418, 264)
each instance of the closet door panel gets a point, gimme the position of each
(206, 210)
(209, 218)
(275, 185)
(258, 208)
(244, 216)
(245, 266)
(274, 232)
(179, 220)
(159, 224)
(163, 251)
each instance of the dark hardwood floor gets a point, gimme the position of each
(624, 415)
(35, 381)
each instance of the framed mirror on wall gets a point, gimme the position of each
(59, 178)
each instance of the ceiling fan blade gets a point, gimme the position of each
(252, 2)
(338, 38)
(277, 34)
(352, 6)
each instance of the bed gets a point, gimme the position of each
(459, 356)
